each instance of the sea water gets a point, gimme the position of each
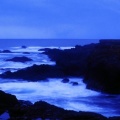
(54, 91)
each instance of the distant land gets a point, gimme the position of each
(5, 43)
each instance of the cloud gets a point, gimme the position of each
(59, 19)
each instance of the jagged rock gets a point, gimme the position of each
(44, 110)
(20, 59)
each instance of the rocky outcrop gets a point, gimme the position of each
(7, 101)
(20, 59)
(98, 64)
(35, 73)
(44, 110)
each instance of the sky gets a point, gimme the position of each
(60, 19)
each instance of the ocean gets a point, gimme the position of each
(53, 91)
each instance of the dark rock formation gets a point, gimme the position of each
(35, 73)
(5, 51)
(7, 101)
(74, 83)
(26, 53)
(24, 47)
(103, 69)
(44, 110)
(20, 59)
(98, 64)
(65, 80)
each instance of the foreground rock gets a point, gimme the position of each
(20, 59)
(7, 101)
(25, 110)
(44, 110)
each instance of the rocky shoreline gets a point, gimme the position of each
(25, 110)
(98, 64)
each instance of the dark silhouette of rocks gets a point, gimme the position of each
(98, 64)
(74, 83)
(7, 101)
(24, 47)
(44, 110)
(20, 59)
(65, 80)
(25, 110)
(35, 73)
(5, 51)
(26, 52)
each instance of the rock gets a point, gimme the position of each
(24, 47)
(26, 53)
(35, 73)
(45, 110)
(65, 80)
(74, 83)
(20, 59)
(7, 101)
(6, 51)
(114, 118)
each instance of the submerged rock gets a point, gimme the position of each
(74, 83)
(24, 46)
(20, 59)
(65, 80)
(5, 51)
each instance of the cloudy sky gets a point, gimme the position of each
(83, 19)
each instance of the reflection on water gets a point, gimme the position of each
(64, 95)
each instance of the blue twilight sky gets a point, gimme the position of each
(83, 19)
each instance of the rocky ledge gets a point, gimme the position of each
(25, 110)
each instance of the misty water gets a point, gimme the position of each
(53, 91)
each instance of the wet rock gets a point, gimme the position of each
(65, 80)
(74, 83)
(35, 73)
(7, 101)
(24, 47)
(20, 59)
(26, 52)
(44, 110)
(6, 51)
